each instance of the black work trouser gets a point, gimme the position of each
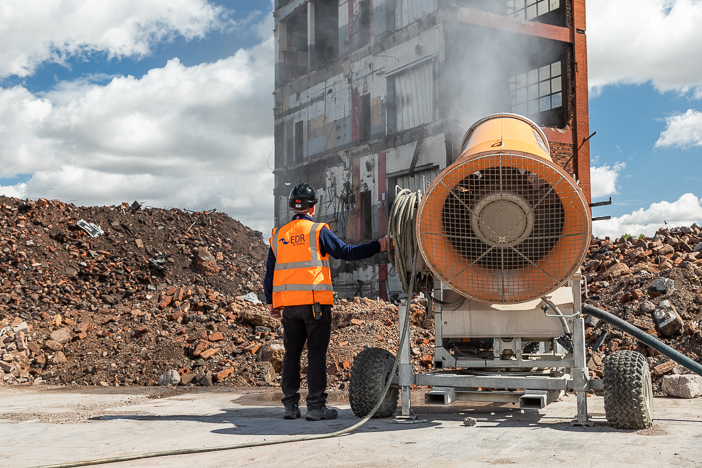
(300, 326)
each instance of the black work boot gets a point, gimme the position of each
(292, 412)
(321, 413)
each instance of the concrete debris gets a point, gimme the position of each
(661, 287)
(205, 262)
(682, 386)
(204, 379)
(273, 353)
(62, 335)
(667, 319)
(470, 421)
(172, 377)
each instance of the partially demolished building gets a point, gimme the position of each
(375, 94)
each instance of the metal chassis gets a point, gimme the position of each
(536, 377)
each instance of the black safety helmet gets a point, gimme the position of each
(302, 196)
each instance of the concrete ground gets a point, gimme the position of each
(41, 426)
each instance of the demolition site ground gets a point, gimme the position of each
(87, 324)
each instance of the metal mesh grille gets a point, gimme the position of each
(504, 228)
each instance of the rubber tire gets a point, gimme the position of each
(628, 394)
(369, 374)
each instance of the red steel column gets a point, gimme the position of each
(582, 112)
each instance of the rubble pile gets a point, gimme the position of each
(155, 291)
(122, 295)
(653, 283)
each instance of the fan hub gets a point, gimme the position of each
(502, 219)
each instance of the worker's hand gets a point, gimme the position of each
(275, 313)
(383, 243)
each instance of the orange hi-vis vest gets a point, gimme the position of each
(302, 275)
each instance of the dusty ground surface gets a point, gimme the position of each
(98, 422)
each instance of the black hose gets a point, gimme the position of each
(643, 337)
(600, 340)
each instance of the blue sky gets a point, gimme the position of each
(629, 120)
(169, 102)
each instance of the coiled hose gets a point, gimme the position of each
(401, 230)
(401, 220)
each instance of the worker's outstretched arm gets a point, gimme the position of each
(332, 245)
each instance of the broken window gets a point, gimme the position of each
(299, 141)
(279, 145)
(365, 117)
(367, 214)
(412, 94)
(530, 9)
(293, 48)
(537, 90)
(409, 11)
(326, 32)
(289, 139)
(364, 29)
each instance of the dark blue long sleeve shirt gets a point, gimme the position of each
(328, 244)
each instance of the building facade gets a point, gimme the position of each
(371, 95)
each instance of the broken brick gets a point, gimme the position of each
(220, 376)
(664, 368)
(202, 346)
(165, 302)
(216, 336)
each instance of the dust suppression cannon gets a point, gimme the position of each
(500, 236)
(504, 224)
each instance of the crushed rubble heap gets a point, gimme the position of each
(653, 283)
(159, 290)
(171, 290)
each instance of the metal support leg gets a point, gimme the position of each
(405, 367)
(580, 373)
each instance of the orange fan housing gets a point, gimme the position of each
(504, 223)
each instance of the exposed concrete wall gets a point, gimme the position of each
(433, 151)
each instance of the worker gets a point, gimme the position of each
(298, 288)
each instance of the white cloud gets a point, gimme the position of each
(603, 179)
(192, 137)
(17, 190)
(637, 41)
(36, 31)
(682, 130)
(683, 212)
